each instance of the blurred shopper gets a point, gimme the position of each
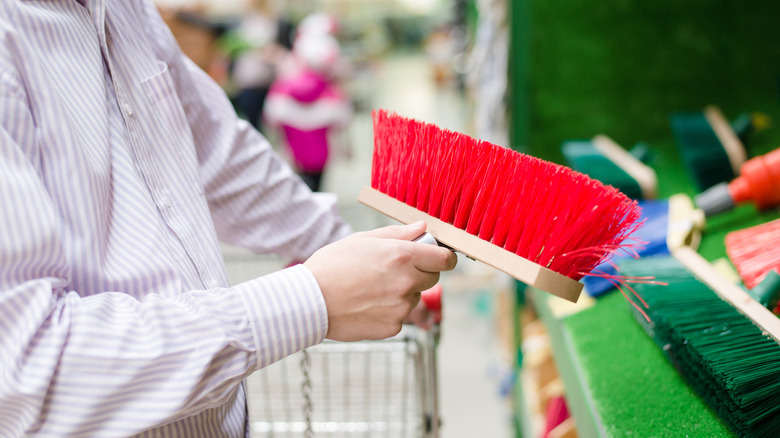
(441, 49)
(307, 105)
(255, 63)
(318, 23)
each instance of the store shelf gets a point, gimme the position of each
(579, 398)
(575, 74)
(617, 382)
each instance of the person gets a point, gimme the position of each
(307, 106)
(255, 63)
(121, 166)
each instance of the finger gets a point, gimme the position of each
(401, 232)
(429, 258)
(415, 300)
(427, 280)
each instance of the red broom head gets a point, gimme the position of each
(755, 251)
(541, 211)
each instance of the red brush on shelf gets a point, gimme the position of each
(557, 413)
(542, 223)
(755, 251)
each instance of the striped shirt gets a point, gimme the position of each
(121, 167)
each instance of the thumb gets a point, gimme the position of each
(400, 232)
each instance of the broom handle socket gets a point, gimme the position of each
(429, 239)
(426, 238)
(714, 200)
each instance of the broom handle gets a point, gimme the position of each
(473, 247)
(733, 147)
(729, 291)
(643, 174)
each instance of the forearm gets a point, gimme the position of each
(111, 363)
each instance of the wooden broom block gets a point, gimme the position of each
(473, 247)
(729, 291)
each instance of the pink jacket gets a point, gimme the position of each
(306, 106)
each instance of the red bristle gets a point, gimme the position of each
(378, 171)
(541, 211)
(527, 169)
(420, 172)
(377, 157)
(494, 195)
(477, 172)
(459, 157)
(580, 208)
(509, 204)
(420, 146)
(755, 251)
(485, 173)
(442, 172)
(537, 233)
(399, 161)
(424, 179)
(408, 173)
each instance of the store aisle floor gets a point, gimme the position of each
(474, 348)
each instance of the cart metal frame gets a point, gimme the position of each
(382, 388)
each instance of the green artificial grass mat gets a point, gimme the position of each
(635, 389)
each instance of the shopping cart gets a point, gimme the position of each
(382, 388)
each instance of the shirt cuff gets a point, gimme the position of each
(287, 313)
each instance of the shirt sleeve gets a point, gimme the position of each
(257, 201)
(111, 364)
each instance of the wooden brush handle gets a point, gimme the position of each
(473, 247)
(733, 147)
(729, 291)
(643, 174)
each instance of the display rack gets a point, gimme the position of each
(622, 70)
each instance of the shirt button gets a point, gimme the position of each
(128, 108)
(165, 201)
(213, 284)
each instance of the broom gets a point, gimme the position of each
(710, 149)
(724, 343)
(544, 224)
(668, 224)
(754, 251)
(603, 159)
(758, 181)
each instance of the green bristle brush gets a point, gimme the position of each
(603, 159)
(710, 149)
(723, 342)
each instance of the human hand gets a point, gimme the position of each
(372, 280)
(428, 311)
(420, 316)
